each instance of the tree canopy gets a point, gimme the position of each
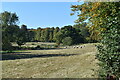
(104, 18)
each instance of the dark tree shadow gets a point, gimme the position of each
(13, 56)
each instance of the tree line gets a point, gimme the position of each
(77, 34)
(67, 35)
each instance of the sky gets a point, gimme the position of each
(42, 14)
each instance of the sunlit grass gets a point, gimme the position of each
(82, 65)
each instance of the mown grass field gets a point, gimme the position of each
(53, 63)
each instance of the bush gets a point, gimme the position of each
(16, 48)
(56, 46)
(109, 51)
(32, 44)
(67, 41)
(6, 45)
(38, 47)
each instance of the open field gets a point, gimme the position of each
(34, 44)
(53, 63)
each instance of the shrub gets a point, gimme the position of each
(32, 44)
(6, 45)
(109, 51)
(38, 47)
(16, 48)
(67, 41)
(56, 46)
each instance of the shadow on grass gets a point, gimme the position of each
(13, 52)
(13, 56)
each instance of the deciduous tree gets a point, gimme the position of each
(104, 19)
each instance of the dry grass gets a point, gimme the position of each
(34, 44)
(81, 65)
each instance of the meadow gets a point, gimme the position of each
(96, 22)
(51, 63)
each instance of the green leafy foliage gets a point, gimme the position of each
(104, 19)
(67, 41)
(9, 29)
(6, 45)
(11, 32)
(45, 34)
(82, 31)
(69, 31)
(109, 53)
(8, 18)
(58, 37)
